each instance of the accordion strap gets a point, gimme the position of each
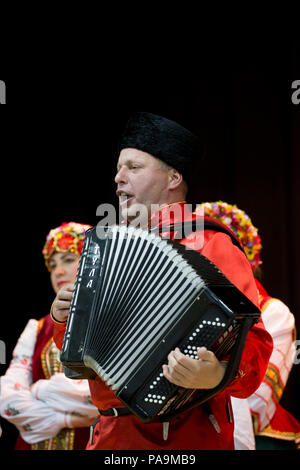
(115, 412)
(191, 226)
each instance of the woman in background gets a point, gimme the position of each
(50, 411)
(273, 426)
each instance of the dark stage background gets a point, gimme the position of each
(60, 163)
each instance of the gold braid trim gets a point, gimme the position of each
(272, 377)
(51, 365)
(287, 436)
(64, 440)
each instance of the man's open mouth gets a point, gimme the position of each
(125, 198)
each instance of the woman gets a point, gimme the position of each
(50, 411)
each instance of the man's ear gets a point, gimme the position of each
(175, 178)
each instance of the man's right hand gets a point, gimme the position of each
(62, 302)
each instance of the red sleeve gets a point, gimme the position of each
(58, 334)
(259, 345)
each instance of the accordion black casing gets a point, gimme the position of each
(137, 296)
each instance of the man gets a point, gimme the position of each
(154, 165)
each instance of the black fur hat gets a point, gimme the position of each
(163, 139)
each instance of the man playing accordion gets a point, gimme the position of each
(154, 168)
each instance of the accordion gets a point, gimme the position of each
(137, 296)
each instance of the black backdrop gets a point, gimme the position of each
(60, 133)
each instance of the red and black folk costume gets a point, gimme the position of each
(194, 429)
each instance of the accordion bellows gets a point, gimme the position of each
(137, 296)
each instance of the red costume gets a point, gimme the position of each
(194, 429)
(270, 418)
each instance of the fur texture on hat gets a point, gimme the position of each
(163, 139)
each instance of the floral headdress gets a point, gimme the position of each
(241, 225)
(68, 236)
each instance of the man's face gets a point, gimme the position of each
(141, 180)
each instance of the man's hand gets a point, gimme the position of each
(62, 302)
(203, 373)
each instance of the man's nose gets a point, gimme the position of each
(121, 176)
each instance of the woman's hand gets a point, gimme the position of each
(78, 421)
(62, 302)
(206, 372)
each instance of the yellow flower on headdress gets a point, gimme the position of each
(240, 224)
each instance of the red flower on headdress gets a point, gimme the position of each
(67, 237)
(65, 241)
(49, 246)
(79, 246)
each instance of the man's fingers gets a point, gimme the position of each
(64, 296)
(62, 305)
(66, 292)
(173, 376)
(177, 357)
(176, 370)
(205, 355)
